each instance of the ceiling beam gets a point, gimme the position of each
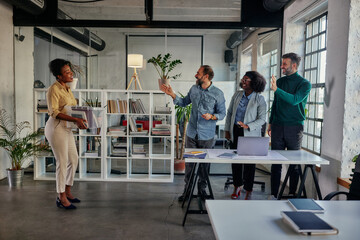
(253, 14)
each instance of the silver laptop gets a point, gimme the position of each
(253, 146)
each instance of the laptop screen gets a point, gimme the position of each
(253, 146)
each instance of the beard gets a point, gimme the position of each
(241, 84)
(199, 81)
(287, 71)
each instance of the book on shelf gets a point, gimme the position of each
(161, 130)
(136, 106)
(108, 106)
(118, 148)
(116, 106)
(307, 223)
(138, 150)
(42, 110)
(132, 124)
(90, 153)
(119, 144)
(305, 205)
(42, 105)
(117, 130)
(137, 133)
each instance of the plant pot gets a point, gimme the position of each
(15, 177)
(164, 81)
(179, 166)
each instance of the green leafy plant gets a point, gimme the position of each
(19, 148)
(182, 114)
(92, 103)
(355, 158)
(164, 65)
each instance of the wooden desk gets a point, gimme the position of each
(261, 219)
(293, 157)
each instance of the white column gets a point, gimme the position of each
(351, 131)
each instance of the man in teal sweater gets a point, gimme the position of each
(287, 117)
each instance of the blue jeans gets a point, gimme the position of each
(203, 167)
(290, 138)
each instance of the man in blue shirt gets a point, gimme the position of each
(208, 106)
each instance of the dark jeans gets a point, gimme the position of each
(242, 173)
(285, 137)
(204, 168)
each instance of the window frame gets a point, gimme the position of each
(315, 100)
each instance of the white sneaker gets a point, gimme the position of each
(272, 197)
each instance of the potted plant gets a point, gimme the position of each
(18, 148)
(164, 66)
(182, 117)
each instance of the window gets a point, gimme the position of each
(314, 71)
(273, 71)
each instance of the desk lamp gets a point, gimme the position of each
(135, 61)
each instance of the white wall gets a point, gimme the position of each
(337, 46)
(7, 72)
(24, 77)
(351, 133)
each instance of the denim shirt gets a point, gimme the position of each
(210, 100)
(241, 109)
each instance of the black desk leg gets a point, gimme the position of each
(291, 167)
(188, 187)
(302, 182)
(312, 168)
(209, 186)
(196, 170)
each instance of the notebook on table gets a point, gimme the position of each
(308, 223)
(195, 154)
(305, 205)
(253, 146)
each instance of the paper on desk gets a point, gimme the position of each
(214, 153)
(272, 155)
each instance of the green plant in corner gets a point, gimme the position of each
(182, 115)
(164, 66)
(355, 158)
(19, 148)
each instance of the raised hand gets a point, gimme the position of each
(273, 83)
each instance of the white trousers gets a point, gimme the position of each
(62, 142)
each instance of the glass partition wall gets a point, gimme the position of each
(107, 68)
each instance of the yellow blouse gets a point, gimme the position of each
(58, 97)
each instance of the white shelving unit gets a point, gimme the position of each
(156, 166)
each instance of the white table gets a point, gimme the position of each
(291, 157)
(260, 219)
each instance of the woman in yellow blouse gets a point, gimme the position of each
(60, 137)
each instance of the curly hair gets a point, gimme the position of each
(258, 82)
(57, 64)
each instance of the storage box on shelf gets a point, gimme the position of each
(132, 143)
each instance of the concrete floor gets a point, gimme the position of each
(109, 210)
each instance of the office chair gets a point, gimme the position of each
(354, 190)
(229, 180)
